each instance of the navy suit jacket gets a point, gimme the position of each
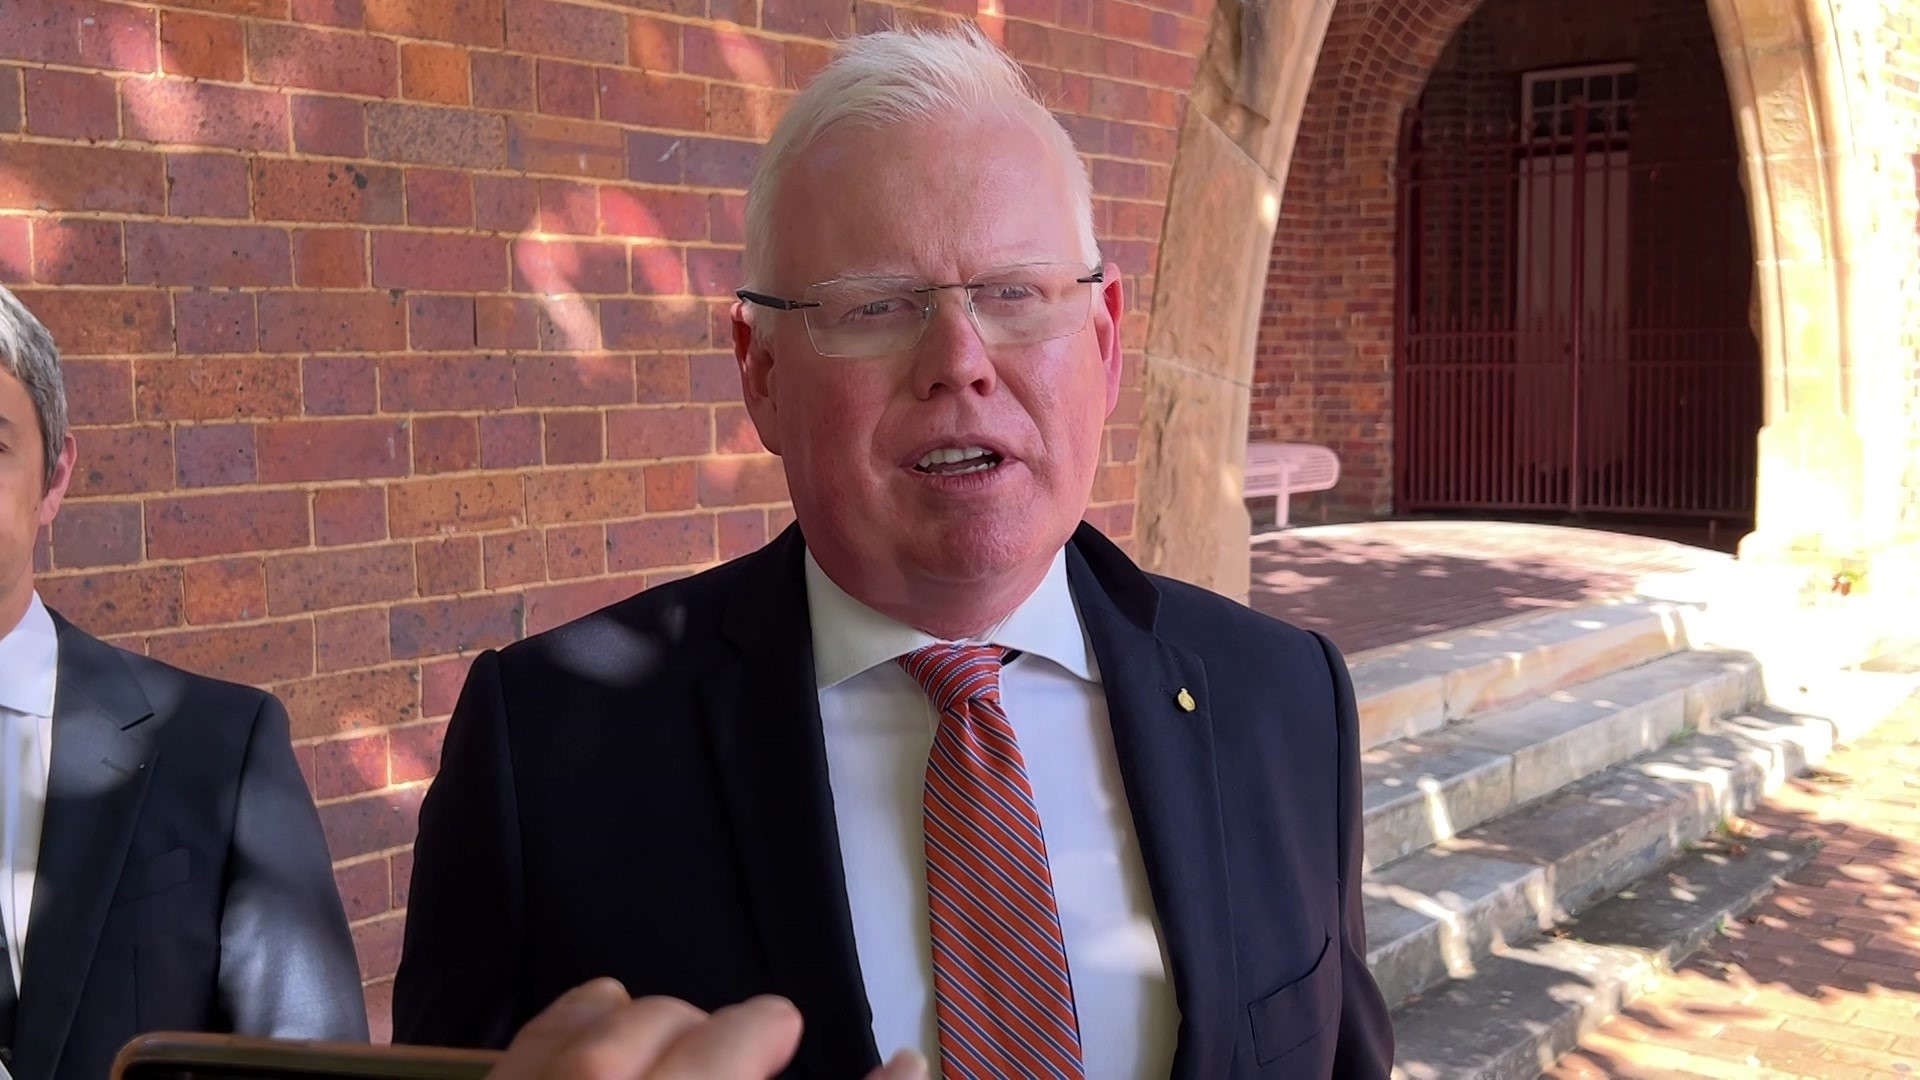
(643, 793)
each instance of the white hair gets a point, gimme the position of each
(891, 76)
(27, 353)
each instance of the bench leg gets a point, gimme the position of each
(1280, 510)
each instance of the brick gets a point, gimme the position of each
(71, 105)
(376, 945)
(206, 185)
(445, 444)
(447, 566)
(325, 191)
(216, 387)
(98, 391)
(720, 163)
(564, 89)
(560, 267)
(654, 44)
(714, 272)
(805, 59)
(663, 432)
(116, 601)
(435, 73)
(341, 62)
(502, 81)
(349, 515)
(330, 258)
(576, 551)
(555, 145)
(256, 654)
(569, 206)
(305, 450)
(10, 116)
(471, 503)
(726, 219)
(743, 112)
(226, 590)
(653, 324)
(214, 455)
(331, 322)
(203, 114)
(214, 322)
(714, 377)
(93, 534)
(16, 248)
(440, 683)
(439, 261)
(505, 203)
(734, 432)
(653, 214)
(505, 322)
(346, 577)
(654, 158)
(370, 823)
(732, 56)
(55, 176)
(344, 640)
(344, 14)
(649, 100)
(77, 252)
(416, 752)
(437, 197)
(660, 380)
(672, 486)
(573, 438)
(364, 888)
(435, 627)
(738, 481)
(825, 20)
(81, 34)
(165, 253)
(509, 440)
(573, 380)
(197, 526)
(568, 30)
(440, 323)
(600, 494)
(339, 385)
(433, 135)
(121, 461)
(261, 9)
(202, 46)
(514, 558)
(553, 605)
(660, 541)
(741, 532)
(329, 126)
(442, 383)
(467, 22)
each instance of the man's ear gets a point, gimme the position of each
(62, 476)
(755, 359)
(1109, 320)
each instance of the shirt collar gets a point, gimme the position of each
(29, 654)
(849, 637)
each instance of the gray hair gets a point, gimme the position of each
(891, 76)
(27, 353)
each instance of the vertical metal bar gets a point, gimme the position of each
(1403, 425)
(1579, 307)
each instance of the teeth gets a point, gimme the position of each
(952, 454)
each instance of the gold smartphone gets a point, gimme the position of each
(180, 1056)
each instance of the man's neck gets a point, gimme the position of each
(951, 611)
(13, 605)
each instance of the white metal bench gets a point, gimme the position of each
(1285, 469)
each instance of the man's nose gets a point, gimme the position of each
(951, 353)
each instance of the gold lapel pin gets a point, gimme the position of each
(1186, 700)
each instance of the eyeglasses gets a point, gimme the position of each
(858, 317)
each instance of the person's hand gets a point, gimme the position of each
(596, 1032)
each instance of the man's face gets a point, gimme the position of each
(939, 201)
(26, 501)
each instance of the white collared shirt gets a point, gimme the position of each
(879, 728)
(29, 660)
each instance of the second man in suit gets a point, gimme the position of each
(940, 764)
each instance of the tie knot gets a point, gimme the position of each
(952, 674)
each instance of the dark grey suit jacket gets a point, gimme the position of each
(184, 883)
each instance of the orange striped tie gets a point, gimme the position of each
(1002, 991)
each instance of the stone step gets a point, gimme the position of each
(1526, 1007)
(1421, 686)
(1437, 913)
(1433, 787)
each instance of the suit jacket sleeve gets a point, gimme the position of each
(462, 973)
(287, 965)
(1365, 1047)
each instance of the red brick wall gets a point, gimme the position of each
(1324, 368)
(395, 327)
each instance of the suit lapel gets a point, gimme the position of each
(763, 715)
(101, 765)
(1167, 767)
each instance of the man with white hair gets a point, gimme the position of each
(939, 765)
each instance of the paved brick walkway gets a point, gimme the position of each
(1823, 978)
(1381, 583)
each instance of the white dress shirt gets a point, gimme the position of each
(29, 655)
(879, 727)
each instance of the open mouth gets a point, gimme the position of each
(957, 461)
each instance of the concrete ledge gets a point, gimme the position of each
(1407, 690)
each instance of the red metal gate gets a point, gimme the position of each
(1572, 316)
